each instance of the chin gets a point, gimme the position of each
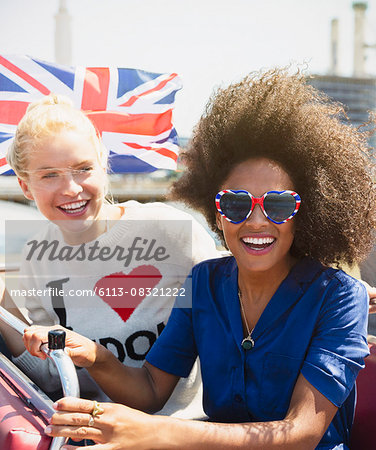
(262, 263)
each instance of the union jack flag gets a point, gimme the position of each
(131, 109)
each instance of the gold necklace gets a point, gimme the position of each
(247, 343)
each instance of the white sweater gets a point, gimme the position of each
(139, 264)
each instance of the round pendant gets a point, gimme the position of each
(248, 343)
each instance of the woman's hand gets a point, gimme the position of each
(372, 297)
(83, 351)
(118, 426)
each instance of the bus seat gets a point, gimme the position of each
(363, 436)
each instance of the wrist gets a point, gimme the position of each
(102, 356)
(165, 428)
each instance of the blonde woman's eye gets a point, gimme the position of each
(83, 171)
(50, 175)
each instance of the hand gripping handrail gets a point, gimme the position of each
(55, 351)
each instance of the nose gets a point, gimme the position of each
(257, 218)
(70, 186)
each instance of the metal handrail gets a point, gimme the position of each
(62, 361)
(9, 267)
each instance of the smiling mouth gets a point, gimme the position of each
(258, 243)
(74, 208)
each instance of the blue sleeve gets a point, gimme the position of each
(175, 350)
(339, 344)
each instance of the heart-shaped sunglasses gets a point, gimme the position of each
(277, 206)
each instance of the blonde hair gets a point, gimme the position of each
(45, 118)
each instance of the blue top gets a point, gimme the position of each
(315, 324)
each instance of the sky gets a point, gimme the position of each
(209, 43)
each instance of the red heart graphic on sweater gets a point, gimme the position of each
(124, 292)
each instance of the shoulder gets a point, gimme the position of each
(344, 300)
(326, 279)
(341, 282)
(351, 286)
(177, 225)
(48, 236)
(48, 232)
(154, 210)
(328, 291)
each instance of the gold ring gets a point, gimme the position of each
(91, 421)
(97, 409)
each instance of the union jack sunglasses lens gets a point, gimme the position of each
(235, 206)
(277, 206)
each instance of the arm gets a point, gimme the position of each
(43, 373)
(12, 338)
(309, 414)
(146, 388)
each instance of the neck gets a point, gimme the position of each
(259, 286)
(94, 228)
(86, 234)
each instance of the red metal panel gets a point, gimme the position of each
(24, 411)
(363, 432)
(20, 427)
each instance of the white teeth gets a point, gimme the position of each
(75, 205)
(258, 241)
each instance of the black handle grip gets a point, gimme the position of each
(56, 340)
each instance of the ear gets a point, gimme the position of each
(218, 219)
(25, 189)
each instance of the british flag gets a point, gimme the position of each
(131, 109)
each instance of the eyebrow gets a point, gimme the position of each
(84, 163)
(42, 168)
(81, 163)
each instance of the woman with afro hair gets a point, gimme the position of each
(280, 333)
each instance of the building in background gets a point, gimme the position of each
(63, 35)
(357, 93)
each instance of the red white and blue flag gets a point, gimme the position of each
(131, 109)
